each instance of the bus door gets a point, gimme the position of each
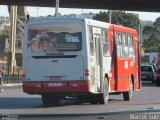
(98, 59)
(137, 64)
(120, 64)
(112, 41)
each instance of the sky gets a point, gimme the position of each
(43, 11)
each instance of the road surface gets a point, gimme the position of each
(15, 103)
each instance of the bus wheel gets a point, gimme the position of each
(157, 83)
(103, 98)
(79, 100)
(128, 95)
(93, 99)
(46, 99)
(56, 100)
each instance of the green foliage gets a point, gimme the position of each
(147, 30)
(151, 35)
(102, 16)
(152, 43)
(3, 35)
(119, 18)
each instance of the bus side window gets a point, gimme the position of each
(130, 40)
(120, 52)
(105, 43)
(126, 51)
(130, 45)
(131, 52)
(125, 45)
(124, 39)
(119, 39)
(90, 33)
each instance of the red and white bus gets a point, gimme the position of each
(80, 58)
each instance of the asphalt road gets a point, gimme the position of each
(16, 104)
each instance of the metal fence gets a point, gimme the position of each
(12, 75)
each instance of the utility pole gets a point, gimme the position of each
(56, 10)
(82, 13)
(37, 11)
(110, 16)
(141, 27)
(12, 38)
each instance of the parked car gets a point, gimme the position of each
(148, 73)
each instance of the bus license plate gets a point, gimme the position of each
(58, 84)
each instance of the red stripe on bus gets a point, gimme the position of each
(38, 87)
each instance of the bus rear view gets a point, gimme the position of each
(53, 58)
(82, 58)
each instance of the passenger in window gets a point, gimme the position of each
(35, 45)
(45, 44)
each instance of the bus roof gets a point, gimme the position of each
(51, 20)
(91, 22)
(96, 23)
(124, 29)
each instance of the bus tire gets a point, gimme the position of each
(93, 99)
(103, 97)
(46, 99)
(128, 95)
(157, 83)
(79, 100)
(56, 100)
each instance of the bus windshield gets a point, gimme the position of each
(61, 37)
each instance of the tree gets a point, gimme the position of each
(147, 29)
(120, 18)
(3, 35)
(145, 41)
(152, 43)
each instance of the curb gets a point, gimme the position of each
(12, 84)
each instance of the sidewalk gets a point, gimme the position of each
(12, 84)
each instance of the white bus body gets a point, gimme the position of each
(71, 66)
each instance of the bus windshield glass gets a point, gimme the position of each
(61, 37)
